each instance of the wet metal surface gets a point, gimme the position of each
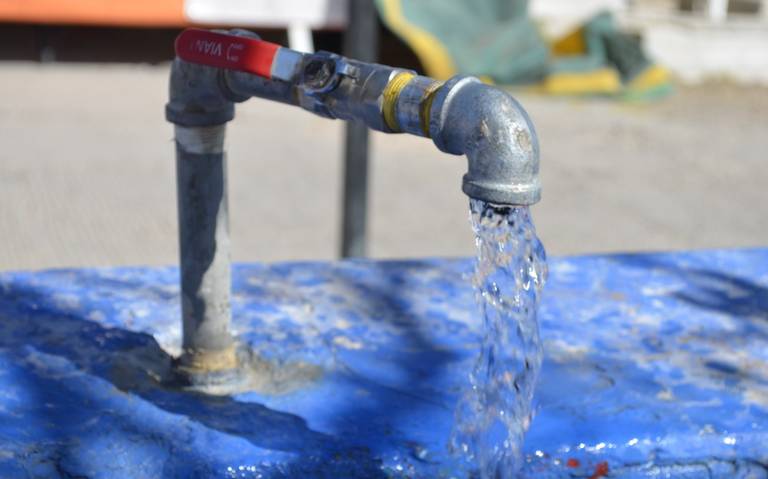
(655, 366)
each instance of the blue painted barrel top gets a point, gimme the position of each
(656, 366)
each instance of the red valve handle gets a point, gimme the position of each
(226, 51)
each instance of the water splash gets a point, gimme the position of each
(495, 411)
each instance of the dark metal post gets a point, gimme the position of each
(361, 43)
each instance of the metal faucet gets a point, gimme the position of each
(216, 69)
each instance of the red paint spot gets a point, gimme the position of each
(600, 471)
(573, 463)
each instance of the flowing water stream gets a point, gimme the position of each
(495, 410)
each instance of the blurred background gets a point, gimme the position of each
(652, 117)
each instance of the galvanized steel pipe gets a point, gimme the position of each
(207, 343)
(462, 116)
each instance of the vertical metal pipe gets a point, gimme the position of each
(204, 249)
(360, 42)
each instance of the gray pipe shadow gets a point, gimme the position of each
(136, 364)
(720, 292)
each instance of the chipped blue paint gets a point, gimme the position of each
(655, 364)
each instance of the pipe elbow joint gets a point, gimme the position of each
(197, 97)
(495, 133)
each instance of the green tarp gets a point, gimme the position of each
(486, 38)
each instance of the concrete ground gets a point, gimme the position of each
(87, 175)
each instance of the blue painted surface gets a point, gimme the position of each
(656, 365)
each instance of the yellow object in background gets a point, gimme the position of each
(433, 55)
(603, 81)
(598, 59)
(570, 44)
(654, 82)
